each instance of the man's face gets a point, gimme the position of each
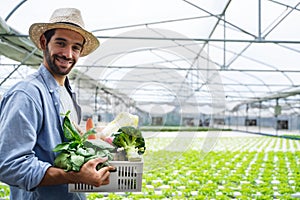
(63, 51)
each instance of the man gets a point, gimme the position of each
(30, 120)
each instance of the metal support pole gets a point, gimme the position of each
(259, 20)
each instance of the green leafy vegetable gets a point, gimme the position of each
(70, 131)
(78, 150)
(131, 140)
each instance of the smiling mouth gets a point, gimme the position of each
(64, 61)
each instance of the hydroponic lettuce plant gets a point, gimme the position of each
(132, 140)
(78, 150)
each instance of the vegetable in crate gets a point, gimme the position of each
(132, 140)
(122, 119)
(90, 125)
(78, 150)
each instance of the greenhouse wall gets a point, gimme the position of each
(281, 122)
(287, 122)
(173, 119)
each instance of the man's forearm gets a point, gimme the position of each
(56, 176)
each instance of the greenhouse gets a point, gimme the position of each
(215, 86)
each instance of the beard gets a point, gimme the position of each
(55, 68)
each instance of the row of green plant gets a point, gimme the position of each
(269, 172)
(194, 174)
(221, 142)
(4, 191)
(293, 136)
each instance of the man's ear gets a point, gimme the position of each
(43, 42)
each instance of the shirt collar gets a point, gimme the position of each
(50, 81)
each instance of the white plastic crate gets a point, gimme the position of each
(127, 178)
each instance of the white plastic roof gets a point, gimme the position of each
(209, 55)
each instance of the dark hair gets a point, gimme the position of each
(48, 35)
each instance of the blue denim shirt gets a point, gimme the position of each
(30, 127)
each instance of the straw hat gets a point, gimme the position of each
(67, 18)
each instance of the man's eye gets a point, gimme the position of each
(77, 48)
(60, 43)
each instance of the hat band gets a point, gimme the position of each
(69, 23)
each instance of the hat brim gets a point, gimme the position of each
(38, 29)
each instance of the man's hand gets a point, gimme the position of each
(89, 175)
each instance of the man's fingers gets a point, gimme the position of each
(101, 160)
(108, 169)
(104, 174)
(96, 161)
(112, 169)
